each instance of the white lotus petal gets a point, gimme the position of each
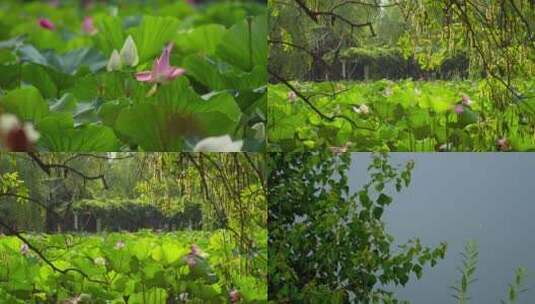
(218, 144)
(8, 122)
(31, 134)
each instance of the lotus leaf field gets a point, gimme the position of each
(399, 116)
(143, 267)
(135, 76)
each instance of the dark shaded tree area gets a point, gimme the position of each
(57, 192)
(332, 40)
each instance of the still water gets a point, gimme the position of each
(487, 197)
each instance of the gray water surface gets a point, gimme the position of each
(455, 197)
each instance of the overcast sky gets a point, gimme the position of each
(455, 197)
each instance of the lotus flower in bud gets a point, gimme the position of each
(128, 53)
(292, 96)
(88, 26)
(218, 144)
(162, 71)
(46, 24)
(362, 109)
(100, 261)
(16, 136)
(128, 56)
(24, 249)
(120, 245)
(115, 63)
(388, 91)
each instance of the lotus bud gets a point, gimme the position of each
(46, 24)
(292, 96)
(114, 64)
(24, 249)
(129, 55)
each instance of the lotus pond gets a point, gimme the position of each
(132, 75)
(143, 267)
(399, 116)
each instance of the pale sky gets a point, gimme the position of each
(455, 197)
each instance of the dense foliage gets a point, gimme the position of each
(139, 268)
(399, 116)
(132, 75)
(327, 244)
(125, 191)
(220, 196)
(488, 44)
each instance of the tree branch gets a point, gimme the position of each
(46, 260)
(307, 100)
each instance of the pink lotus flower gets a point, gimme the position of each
(459, 109)
(190, 260)
(47, 24)
(234, 296)
(162, 71)
(88, 26)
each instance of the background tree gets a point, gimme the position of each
(327, 244)
(496, 36)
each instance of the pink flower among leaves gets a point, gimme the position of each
(88, 26)
(191, 261)
(46, 23)
(234, 296)
(194, 255)
(459, 109)
(162, 71)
